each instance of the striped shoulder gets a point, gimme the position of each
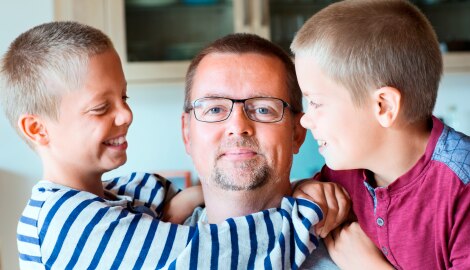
(453, 149)
(146, 189)
(27, 231)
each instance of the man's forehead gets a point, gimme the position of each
(240, 76)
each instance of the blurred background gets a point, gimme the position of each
(156, 39)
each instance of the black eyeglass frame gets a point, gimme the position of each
(284, 105)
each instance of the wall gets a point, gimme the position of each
(19, 167)
(154, 139)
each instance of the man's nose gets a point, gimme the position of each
(238, 123)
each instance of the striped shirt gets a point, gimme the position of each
(63, 228)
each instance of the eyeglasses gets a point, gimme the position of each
(259, 109)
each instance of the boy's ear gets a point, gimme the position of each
(299, 133)
(34, 129)
(387, 105)
(185, 131)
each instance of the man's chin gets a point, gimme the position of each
(241, 177)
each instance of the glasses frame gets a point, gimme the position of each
(284, 105)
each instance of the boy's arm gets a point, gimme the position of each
(113, 236)
(181, 206)
(333, 199)
(350, 248)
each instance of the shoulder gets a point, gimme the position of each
(453, 149)
(135, 179)
(138, 184)
(343, 177)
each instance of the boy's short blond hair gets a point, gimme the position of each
(44, 63)
(368, 44)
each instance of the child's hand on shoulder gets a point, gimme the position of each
(332, 198)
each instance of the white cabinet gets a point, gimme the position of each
(157, 38)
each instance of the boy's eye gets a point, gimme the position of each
(99, 109)
(314, 105)
(125, 97)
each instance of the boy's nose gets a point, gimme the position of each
(124, 116)
(307, 122)
(238, 123)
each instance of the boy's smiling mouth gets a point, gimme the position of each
(116, 141)
(321, 143)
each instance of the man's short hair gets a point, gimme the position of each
(368, 44)
(240, 43)
(44, 63)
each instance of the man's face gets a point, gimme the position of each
(238, 153)
(90, 134)
(347, 134)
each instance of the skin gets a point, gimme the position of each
(243, 165)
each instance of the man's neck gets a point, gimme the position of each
(222, 204)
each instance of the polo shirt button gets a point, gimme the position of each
(380, 222)
(385, 251)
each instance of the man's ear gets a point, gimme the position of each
(299, 133)
(185, 118)
(34, 129)
(387, 105)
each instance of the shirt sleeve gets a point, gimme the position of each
(459, 238)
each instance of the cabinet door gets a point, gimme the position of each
(157, 38)
(161, 36)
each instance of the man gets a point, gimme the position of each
(241, 126)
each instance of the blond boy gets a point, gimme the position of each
(370, 71)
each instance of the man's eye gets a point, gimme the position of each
(213, 110)
(125, 97)
(263, 110)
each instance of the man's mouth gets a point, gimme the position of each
(238, 154)
(116, 141)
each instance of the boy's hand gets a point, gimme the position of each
(332, 198)
(350, 248)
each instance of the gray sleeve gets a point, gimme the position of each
(319, 259)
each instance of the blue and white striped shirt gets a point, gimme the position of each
(63, 228)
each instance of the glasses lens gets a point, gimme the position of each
(265, 110)
(212, 109)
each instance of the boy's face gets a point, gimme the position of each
(90, 134)
(346, 133)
